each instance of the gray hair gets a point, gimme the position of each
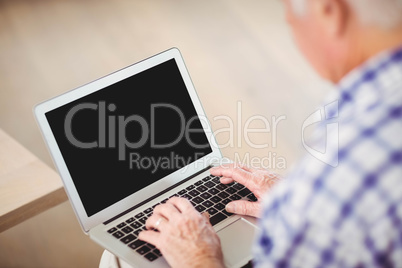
(382, 13)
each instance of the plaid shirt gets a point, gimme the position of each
(347, 213)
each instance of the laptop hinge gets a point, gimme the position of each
(155, 196)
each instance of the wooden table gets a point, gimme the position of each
(27, 186)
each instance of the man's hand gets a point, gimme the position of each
(258, 181)
(185, 237)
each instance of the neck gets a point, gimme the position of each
(365, 45)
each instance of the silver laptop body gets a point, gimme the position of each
(131, 140)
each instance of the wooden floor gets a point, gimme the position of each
(239, 54)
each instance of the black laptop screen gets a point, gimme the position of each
(129, 135)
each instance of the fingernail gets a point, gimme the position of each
(230, 207)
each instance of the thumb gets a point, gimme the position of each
(243, 207)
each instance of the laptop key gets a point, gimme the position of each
(207, 178)
(213, 191)
(221, 187)
(201, 188)
(207, 204)
(136, 244)
(216, 180)
(112, 230)
(127, 229)
(164, 201)
(209, 184)
(187, 196)
(136, 233)
(144, 249)
(130, 220)
(150, 256)
(230, 190)
(226, 201)
(227, 213)
(150, 246)
(200, 208)
(212, 211)
(238, 186)
(127, 239)
(219, 206)
(191, 187)
(194, 193)
(121, 225)
(223, 195)
(157, 252)
(118, 234)
(216, 199)
(139, 215)
(205, 195)
(135, 225)
(252, 197)
(217, 218)
(245, 192)
(143, 220)
(235, 197)
(182, 192)
(148, 210)
(197, 200)
(198, 183)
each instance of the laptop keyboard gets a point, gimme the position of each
(207, 194)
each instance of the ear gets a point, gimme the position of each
(332, 15)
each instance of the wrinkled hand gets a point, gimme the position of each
(185, 237)
(258, 181)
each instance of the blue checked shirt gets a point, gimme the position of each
(343, 208)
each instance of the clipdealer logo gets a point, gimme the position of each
(326, 114)
(255, 131)
(122, 122)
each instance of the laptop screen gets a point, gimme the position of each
(124, 137)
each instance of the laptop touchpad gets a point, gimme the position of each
(237, 240)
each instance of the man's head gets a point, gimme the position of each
(338, 35)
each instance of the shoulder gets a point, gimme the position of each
(321, 210)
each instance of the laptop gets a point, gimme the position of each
(131, 140)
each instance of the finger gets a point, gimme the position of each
(167, 210)
(150, 237)
(216, 170)
(156, 221)
(182, 204)
(225, 180)
(246, 168)
(243, 207)
(237, 174)
(206, 217)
